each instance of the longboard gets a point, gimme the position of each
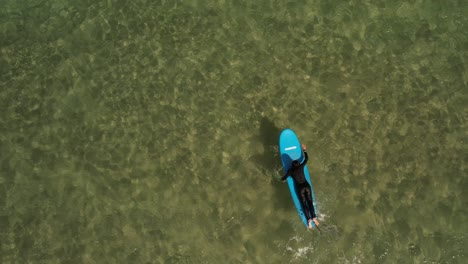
(290, 149)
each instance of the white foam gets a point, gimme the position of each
(299, 252)
(302, 251)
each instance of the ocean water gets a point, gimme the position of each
(146, 131)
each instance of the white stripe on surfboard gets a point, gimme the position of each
(289, 148)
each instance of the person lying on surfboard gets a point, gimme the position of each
(303, 188)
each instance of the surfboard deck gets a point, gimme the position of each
(290, 149)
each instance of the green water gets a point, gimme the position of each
(146, 131)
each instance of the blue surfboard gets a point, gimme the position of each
(290, 149)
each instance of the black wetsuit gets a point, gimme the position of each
(302, 187)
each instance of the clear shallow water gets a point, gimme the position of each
(146, 132)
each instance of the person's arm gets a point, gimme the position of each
(286, 175)
(306, 158)
(305, 154)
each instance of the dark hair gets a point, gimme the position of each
(295, 163)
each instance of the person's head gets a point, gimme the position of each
(295, 163)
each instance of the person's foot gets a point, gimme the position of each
(310, 223)
(316, 222)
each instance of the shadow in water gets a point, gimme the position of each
(271, 162)
(269, 135)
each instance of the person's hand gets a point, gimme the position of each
(316, 222)
(304, 147)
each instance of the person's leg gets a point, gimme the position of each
(303, 196)
(310, 204)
